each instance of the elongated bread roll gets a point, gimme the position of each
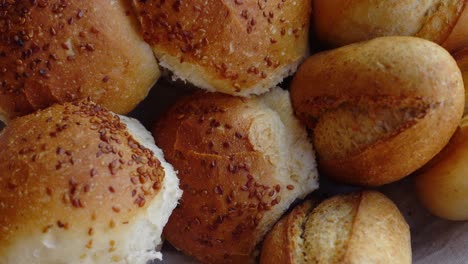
(380, 109)
(342, 22)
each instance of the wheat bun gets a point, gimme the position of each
(78, 184)
(363, 227)
(341, 22)
(381, 109)
(235, 47)
(59, 51)
(441, 185)
(241, 163)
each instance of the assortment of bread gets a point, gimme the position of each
(342, 22)
(81, 184)
(363, 227)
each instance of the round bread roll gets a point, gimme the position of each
(80, 185)
(342, 22)
(380, 109)
(241, 163)
(358, 228)
(232, 46)
(462, 61)
(442, 185)
(59, 51)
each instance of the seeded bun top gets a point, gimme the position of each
(58, 51)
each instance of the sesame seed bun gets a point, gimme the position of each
(241, 163)
(53, 51)
(78, 185)
(235, 47)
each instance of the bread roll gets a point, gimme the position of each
(232, 46)
(80, 185)
(381, 109)
(442, 186)
(241, 163)
(462, 61)
(341, 22)
(58, 51)
(360, 228)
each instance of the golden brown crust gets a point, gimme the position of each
(235, 189)
(213, 221)
(281, 243)
(369, 119)
(441, 184)
(362, 227)
(462, 61)
(74, 168)
(236, 47)
(58, 51)
(458, 37)
(341, 22)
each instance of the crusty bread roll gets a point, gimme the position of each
(341, 22)
(442, 185)
(232, 46)
(380, 109)
(358, 228)
(462, 61)
(78, 185)
(58, 51)
(241, 163)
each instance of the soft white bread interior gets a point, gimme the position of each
(241, 162)
(78, 184)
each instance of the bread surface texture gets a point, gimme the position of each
(381, 109)
(241, 163)
(60, 51)
(363, 227)
(78, 184)
(234, 47)
(342, 22)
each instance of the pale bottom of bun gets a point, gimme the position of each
(133, 243)
(197, 76)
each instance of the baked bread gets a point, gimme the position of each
(341, 22)
(358, 228)
(381, 109)
(59, 51)
(442, 184)
(78, 184)
(231, 46)
(241, 163)
(462, 61)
